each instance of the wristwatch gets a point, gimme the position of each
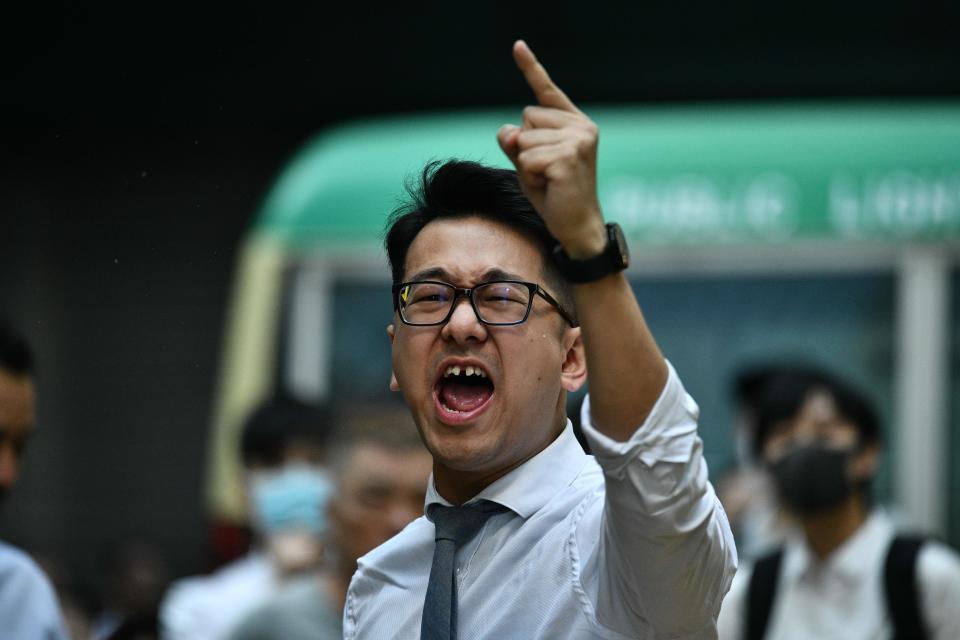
(614, 258)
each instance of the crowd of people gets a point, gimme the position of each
(483, 516)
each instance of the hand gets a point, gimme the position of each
(555, 154)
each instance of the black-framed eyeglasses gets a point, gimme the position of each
(425, 303)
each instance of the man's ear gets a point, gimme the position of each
(573, 372)
(392, 334)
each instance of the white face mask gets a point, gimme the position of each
(292, 498)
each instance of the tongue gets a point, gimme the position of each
(464, 397)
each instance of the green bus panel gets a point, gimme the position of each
(673, 176)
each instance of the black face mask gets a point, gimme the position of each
(812, 478)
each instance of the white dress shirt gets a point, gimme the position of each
(28, 605)
(208, 607)
(630, 544)
(842, 597)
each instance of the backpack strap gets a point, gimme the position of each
(900, 588)
(761, 593)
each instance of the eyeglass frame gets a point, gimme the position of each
(467, 292)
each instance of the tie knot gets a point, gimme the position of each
(460, 524)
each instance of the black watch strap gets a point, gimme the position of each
(614, 258)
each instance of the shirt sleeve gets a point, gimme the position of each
(938, 574)
(29, 608)
(666, 552)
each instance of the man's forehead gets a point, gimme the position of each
(472, 249)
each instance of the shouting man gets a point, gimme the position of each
(508, 288)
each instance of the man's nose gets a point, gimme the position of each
(464, 325)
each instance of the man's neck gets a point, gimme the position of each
(826, 532)
(457, 486)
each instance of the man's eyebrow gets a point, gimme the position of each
(500, 274)
(439, 273)
(433, 273)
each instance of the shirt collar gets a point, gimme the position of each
(530, 486)
(852, 560)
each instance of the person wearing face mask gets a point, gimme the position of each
(846, 572)
(288, 487)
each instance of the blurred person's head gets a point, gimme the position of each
(820, 438)
(16, 404)
(283, 450)
(747, 391)
(381, 470)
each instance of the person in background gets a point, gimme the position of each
(282, 447)
(28, 605)
(380, 471)
(846, 573)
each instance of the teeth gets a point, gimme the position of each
(467, 371)
(446, 408)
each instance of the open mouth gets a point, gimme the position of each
(462, 390)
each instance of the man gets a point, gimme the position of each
(846, 574)
(28, 605)
(282, 446)
(380, 469)
(525, 535)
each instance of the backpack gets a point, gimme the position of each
(899, 587)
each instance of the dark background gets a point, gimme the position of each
(136, 145)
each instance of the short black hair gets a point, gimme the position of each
(785, 392)
(462, 188)
(749, 382)
(15, 355)
(280, 422)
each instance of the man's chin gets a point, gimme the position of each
(461, 453)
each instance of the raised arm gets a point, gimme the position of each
(555, 154)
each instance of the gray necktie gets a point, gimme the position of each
(454, 526)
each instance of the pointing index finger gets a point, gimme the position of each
(547, 93)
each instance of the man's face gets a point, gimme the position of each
(819, 421)
(16, 424)
(381, 491)
(518, 407)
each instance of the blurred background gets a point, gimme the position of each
(176, 242)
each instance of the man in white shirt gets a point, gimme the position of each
(842, 575)
(28, 605)
(282, 446)
(548, 542)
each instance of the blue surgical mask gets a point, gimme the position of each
(293, 497)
